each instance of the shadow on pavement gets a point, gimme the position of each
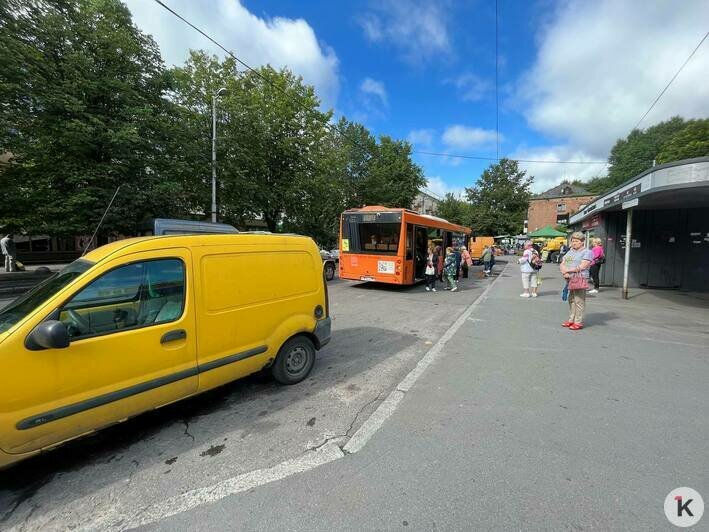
(234, 406)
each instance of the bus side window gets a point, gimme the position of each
(409, 241)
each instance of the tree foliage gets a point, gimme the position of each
(499, 200)
(667, 141)
(454, 209)
(88, 105)
(82, 113)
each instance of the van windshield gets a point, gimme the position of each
(22, 306)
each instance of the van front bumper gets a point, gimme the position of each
(323, 332)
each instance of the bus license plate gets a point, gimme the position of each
(366, 278)
(385, 266)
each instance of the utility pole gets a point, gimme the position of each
(220, 92)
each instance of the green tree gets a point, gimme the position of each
(500, 198)
(691, 141)
(454, 209)
(83, 112)
(393, 179)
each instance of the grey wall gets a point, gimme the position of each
(668, 255)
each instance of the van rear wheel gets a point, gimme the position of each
(294, 361)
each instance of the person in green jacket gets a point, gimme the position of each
(449, 269)
(487, 260)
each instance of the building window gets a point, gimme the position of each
(561, 207)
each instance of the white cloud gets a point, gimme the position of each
(257, 41)
(417, 28)
(421, 137)
(471, 88)
(547, 175)
(464, 137)
(601, 64)
(375, 88)
(439, 187)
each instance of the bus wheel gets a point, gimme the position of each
(329, 271)
(294, 361)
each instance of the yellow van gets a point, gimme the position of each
(477, 244)
(145, 322)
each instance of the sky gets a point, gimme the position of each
(573, 76)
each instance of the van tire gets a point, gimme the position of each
(329, 271)
(295, 360)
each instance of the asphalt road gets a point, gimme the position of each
(520, 424)
(379, 334)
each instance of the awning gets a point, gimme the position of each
(546, 232)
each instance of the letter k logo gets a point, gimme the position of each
(683, 507)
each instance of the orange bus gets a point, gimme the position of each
(391, 245)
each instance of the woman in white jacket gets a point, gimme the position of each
(529, 274)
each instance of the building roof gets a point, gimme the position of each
(679, 184)
(564, 190)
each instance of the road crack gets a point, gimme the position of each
(187, 429)
(346, 434)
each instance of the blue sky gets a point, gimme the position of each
(573, 75)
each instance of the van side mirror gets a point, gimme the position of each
(50, 334)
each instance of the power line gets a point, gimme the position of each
(673, 78)
(478, 158)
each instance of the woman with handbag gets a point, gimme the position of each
(574, 268)
(530, 274)
(431, 267)
(599, 257)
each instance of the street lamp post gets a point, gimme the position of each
(220, 92)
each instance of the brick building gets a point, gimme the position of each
(554, 206)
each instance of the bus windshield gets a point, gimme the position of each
(379, 238)
(371, 233)
(21, 307)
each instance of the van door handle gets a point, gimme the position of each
(179, 334)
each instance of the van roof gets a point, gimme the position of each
(146, 243)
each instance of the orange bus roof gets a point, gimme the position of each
(413, 216)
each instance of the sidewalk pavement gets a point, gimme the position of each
(520, 424)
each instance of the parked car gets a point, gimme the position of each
(328, 264)
(144, 322)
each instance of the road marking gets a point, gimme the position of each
(112, 515)
(101, 511)
(388, 406)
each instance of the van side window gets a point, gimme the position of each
(131, 296)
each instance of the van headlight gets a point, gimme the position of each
(319, 312)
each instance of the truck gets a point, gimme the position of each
(552, 248)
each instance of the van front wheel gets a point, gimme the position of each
(294, 361)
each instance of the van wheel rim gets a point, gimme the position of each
(296, 360)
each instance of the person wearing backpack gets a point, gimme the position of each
(530, 264)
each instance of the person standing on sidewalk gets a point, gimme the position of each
(529, 274)
(431, 266)
(449, 269)
(467, 261)
(574, 268)
(7, 245)
(487, 262)
(439, 268)
(599, 257)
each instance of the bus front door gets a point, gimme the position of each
(420, 252)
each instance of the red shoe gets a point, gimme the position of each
(567, 324)
(575, 327)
